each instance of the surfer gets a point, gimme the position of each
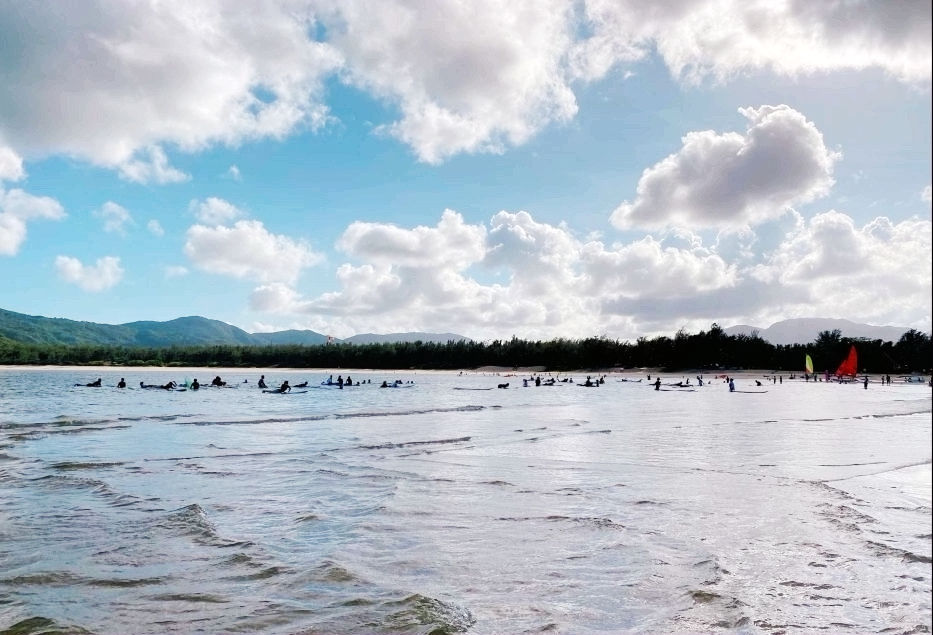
(731, 385)
(217, 381)
(302, 385)
(657, 383)
(284, 387)
(93, 384)
(121, 383)
(262, 382)
(194, 384)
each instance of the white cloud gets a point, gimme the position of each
(175, 271)
(11, 165)
(722, 38)
(467, 77)
(126, 81)
(103, 275)
(115, 217)
(155, 228)
(16, 208)
(722, 180)
(451, 243)
(124, 78)
(879, 272)
(248, 250)
(214, 211)
(559, 286)
(234, 173)
(154, 168)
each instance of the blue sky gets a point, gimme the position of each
(540, 169)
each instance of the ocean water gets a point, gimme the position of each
(451, 506)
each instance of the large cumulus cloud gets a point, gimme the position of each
(725, 180)
(557, 285)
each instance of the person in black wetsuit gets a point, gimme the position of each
(284, 387)
(194, 384)
(94, 384)
(121, 383)
(262, 382)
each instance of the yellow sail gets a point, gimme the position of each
(809, 365)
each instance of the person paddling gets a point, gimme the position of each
(94, 384)
(284, 387)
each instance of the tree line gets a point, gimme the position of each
(708, 350)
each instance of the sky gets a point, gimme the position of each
(492, 168)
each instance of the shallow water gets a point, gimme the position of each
(451, 506)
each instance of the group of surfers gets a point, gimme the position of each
(217, 382)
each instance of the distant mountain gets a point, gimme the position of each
(185, 331)
(806, 330)
(375, 338)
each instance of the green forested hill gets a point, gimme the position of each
(183, 331)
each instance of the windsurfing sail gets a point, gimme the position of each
(808, 365)
(849, 366)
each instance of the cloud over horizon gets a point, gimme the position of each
(558, 285)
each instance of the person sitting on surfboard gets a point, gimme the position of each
(121, 383)
(194, 384)
(217, 381)
(262, 382)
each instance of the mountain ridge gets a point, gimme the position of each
(191, 330)
(806, 330)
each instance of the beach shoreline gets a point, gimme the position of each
(480, 370)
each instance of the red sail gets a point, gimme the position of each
(849, 367)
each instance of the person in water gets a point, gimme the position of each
(284, 387)
(121, 383)
(302, 385)
(262, 382)
(348, 382)
(731, 385)
(94, 384)
(195, 385)
(657, 383)
(217, 381)
(384, 384)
